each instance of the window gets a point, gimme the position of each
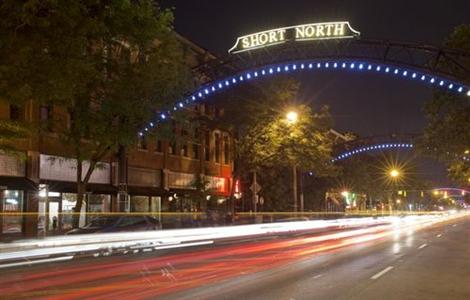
(44, 112)
(12, 203)
(45, 116)
(184, 150)
(210, 110)
(195, 151)
(159, 146)
(226, 150)
(156, 204)
(217, 147)
(172, 148)
(99, 203)
(142, 143)
(140, 203)
(219, 112)
(69, 201)
(207, 146)
(15, 112)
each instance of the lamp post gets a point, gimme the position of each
(394, 175)
(292, 118)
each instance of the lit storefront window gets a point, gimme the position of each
(12, 203)
(99, 203)
(155, 204)
(68, 203)
(139, 203)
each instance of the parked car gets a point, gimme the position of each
(117, 224)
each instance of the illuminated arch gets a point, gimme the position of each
(372, 148)
(394, 71)
(379, 147)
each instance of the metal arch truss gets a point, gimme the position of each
(443, 62)
(398, 60)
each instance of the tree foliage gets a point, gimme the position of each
(11, 132)
(269, 144)
(447, 134)
(269, 139)
(108, 65)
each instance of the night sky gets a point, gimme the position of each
(367, 104)
(363, 103)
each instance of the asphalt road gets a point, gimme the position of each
(376, 262)
(430, 264)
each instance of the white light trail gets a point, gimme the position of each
(19, 251)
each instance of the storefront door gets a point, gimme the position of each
(53, 215)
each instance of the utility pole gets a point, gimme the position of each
(255, 192)
(294, 186)
(301, 191)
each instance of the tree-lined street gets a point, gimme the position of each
(174, 149)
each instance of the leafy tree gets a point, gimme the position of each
(267, 142)
(447, 134)
(12, 132)
(107, 64)
(274, 141)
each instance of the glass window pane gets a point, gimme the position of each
(139, 203)
(68, 203)
(12, 203)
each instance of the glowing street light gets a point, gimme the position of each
(345, 193)
(394, 173)
(292, 117)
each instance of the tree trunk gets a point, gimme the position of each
(80, 193)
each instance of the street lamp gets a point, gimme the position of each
(292, 117)
(394, 173)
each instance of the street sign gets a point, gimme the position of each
(255, 188)
(297, 33)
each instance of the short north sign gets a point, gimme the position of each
(305, 32)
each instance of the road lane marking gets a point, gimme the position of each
(317, 276)
(381, 272)
(439, 235)
(422, 246)
(454, 225)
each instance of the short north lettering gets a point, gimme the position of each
(306, 32)
(311, 31)
(263, 38)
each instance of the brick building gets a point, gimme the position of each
(159, 175)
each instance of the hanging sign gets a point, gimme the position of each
(305, 32)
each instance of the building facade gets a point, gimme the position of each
(38, 185)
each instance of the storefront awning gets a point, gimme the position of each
(147, 191)
(71, 187)
(17, 183)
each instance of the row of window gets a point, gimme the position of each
(185, 150)
(17, 113)
(192, 151)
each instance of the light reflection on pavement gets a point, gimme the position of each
(147, 276)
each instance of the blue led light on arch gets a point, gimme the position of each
(371, 148)
(346, 65)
